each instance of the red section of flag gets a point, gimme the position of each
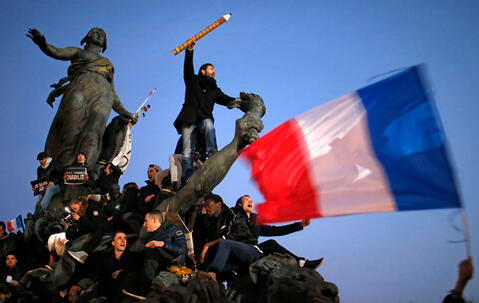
(280, 166)
(10, 227)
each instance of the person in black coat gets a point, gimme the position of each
(71, 191)
(210, 228)
(201, 94)
(108, 177)
(117, 268)
(86, 217)
(113, 137)
(50, 170)
(245, 217)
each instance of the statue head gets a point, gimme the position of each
(95, 36)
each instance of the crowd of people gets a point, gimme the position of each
(217, 239)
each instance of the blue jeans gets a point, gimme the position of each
(188, 135)
(244, 253)
(45, 198)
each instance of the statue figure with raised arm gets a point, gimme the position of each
(88, 97)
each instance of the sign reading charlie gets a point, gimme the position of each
(39, 186)
(75, 175)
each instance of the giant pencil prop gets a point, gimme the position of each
(201, 34)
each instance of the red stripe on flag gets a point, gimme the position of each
(280, 163)
(10, 227)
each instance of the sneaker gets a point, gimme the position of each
(131, 295)
(167, 192)
(80, 256)
(313, 264)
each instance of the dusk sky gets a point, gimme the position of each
(296, 55)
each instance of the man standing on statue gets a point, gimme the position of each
(201, 94)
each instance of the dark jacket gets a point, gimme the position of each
(149, 189)
(71, 191)
(113, 137)
(104, 184)
(174, 238)
(207, 229)
(201, 94)
(87, 223)
(247, 230)
(105, 264)
(52, 172)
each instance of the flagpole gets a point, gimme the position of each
(146, 100)
(465, 228)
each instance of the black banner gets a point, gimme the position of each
(75, 175)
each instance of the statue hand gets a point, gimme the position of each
(234, 103)
(37, 37)
(248, 129)
(134, 118)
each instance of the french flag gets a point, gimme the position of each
(15, 223)
(378, 149)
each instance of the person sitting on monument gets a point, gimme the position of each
(116, 268)
(114, 204)
(81, 188)
(220, 233)
(108, 177)
(201, 95)
(209, 229)
(86, 217)
(50, 171)
(165, 246)
(148, 197)
(103, 225)
(113, 137)
(243, 211)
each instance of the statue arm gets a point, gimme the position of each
(57, 53)
(213, 171)
(119, 108)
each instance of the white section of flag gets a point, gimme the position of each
(345, 173)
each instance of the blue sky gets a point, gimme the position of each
(295, 55)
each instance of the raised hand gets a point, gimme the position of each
(37, 37)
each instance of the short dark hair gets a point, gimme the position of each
(2, 224)
(117, 232)
(214, 197)
(130, 185)
(205, 66)
(239, 202)
(157, 214)
(9, 253)
(82, 153)
(42, 155)
(155, 166)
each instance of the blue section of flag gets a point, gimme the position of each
(408, 141)
(19, 221)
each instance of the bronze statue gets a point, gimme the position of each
(87, 99)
